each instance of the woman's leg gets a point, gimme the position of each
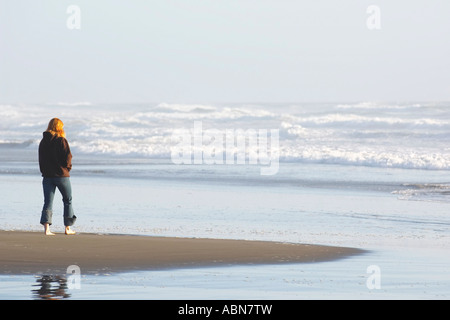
(65, 188)
(47, 210)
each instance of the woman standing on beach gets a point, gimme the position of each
(55, 163)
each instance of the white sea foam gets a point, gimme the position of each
(369, 156)
(354, 120)
(377, 106)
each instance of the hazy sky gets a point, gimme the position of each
(213, 51)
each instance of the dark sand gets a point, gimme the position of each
(35, 253)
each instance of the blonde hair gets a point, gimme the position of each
(55, 127)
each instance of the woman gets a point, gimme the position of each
(55, 163)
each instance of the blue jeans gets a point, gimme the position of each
(64, 186)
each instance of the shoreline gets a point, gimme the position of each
(30, 252)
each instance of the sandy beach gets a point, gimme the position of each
(33, 252)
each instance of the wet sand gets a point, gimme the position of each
(34, 253)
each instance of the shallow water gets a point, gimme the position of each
(408, 240)
(402, 276)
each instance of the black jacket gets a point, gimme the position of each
(55, 158)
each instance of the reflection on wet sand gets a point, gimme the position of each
(50, 287)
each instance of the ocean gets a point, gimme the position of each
(406, 135)
(370, 175)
